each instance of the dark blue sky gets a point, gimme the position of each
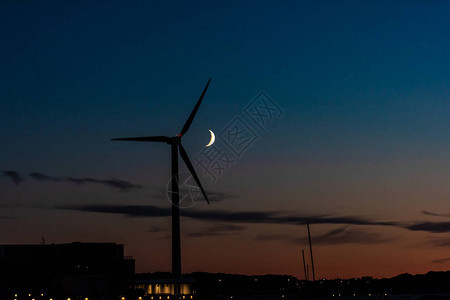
(364, 86)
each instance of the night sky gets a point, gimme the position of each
(355, 139)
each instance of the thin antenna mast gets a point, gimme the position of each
(310, 249)
(304, 265)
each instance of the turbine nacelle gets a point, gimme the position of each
(175, 140)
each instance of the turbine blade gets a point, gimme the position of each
(144, 139)
(188, 163)
(194, 111)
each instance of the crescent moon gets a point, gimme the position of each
(213, 138)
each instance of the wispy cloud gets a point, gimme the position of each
(43, 177)
(272, 237)
(220, 196)
(213, 196)
(155, 229)
(429, 213)
(253, 217)
(350, 236)
(14, 176)
(129, 210)
(112, 182)
(341, 235)
(338, 236)
(217, 230)
(440, 260)
(439, 242)
(435, 227)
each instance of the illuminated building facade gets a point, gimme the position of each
(154, 288)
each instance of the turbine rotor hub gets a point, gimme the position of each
(175, 140)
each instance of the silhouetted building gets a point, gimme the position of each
(93, 270)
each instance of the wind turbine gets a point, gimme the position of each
(175, 142)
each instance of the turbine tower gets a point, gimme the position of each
(175, 143)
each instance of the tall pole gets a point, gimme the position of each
(176, 242)
(304, 265)
(310, 249)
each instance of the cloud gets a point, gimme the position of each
(217, 230)
(428, 213)
(252, 217)
(115, 183)
(129, 210)
(14, 176)
(350, 236)
(43, 177)
(155, 229)
(439, 242)
(219, 196)
(435, 227)
(112, 182)
(258, 217)
(162, 193)
(440, 260)
(337, 236)
(272, 237)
